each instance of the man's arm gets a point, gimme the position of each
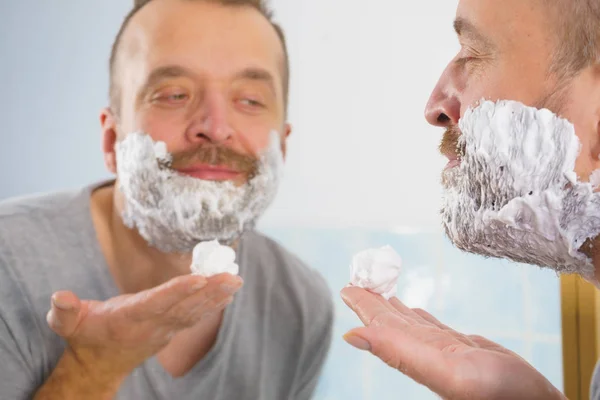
(107, 340)
(72, 380)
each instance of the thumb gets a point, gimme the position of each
(63, 316)
(402, 351)
(379, 341)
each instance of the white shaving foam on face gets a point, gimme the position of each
(212, 258)
(595, 179)
(515, 194)
(173, 212)
(376, 270)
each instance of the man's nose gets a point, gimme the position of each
(211, 122)
(443, 107)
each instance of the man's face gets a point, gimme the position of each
(506, 53)
(506, 189)
(206, 80)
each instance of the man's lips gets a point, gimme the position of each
(210, 172)
(453, 161)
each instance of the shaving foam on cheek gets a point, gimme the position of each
(173, 212)
(376, 270)
(595, 179)
(515, 194)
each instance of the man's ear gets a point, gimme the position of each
(287, 131)
(108, 122)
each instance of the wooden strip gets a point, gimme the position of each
(570, 336)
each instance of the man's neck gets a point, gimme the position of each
(134, 265)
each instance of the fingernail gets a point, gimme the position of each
(61, 305)
(357, 342)
(231, 289)
(199, 285)
(52, 322)
(346, 299)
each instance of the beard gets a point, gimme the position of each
(174, 212)
(515, 193)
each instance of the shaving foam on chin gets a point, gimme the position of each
(515, 194)
(173, 212)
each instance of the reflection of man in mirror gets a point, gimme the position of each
(520, 104)
(196, 135)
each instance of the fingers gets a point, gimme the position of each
(423, 318)
(370, 308)
(417, 313)
(489, 345)
(64, 315)
(214, 298)
(183, 300)
(160, 299)
(429, 318)
(409, 354)
(412, 314)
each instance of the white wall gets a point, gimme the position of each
(361, 152)
(54, 60)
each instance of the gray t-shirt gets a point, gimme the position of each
(272, 343)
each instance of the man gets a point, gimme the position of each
(516, 185)
(196, 135)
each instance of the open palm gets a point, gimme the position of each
(453, 365)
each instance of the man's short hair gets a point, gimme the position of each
(259, 5)
(577, 24)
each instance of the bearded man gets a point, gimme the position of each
(521, 106)
(96, 296)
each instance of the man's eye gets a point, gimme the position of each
(464, 60)
(177, 97)
(252, 103)
(172, 97)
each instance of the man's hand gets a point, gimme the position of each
(113, 337)
(451, 364)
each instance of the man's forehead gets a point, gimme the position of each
(465, 29)
(165, 31)
(506, 20)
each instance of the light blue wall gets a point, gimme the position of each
(54, 82)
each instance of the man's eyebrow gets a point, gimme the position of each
(258, 74)
(465, 29)
(160, 73)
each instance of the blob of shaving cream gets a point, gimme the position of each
(376, 270)
(211, 258)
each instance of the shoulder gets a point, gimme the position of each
(35, 232)
(28, 221)
(38, 203)
(19, 213)
(30, 233)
